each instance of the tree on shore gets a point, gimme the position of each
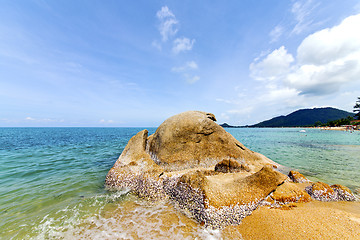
(357, 108)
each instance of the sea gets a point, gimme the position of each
(52, 180)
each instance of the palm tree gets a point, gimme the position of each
(357, 108)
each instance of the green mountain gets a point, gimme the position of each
(305, 117)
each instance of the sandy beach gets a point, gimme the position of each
(314, 220)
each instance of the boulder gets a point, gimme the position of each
(193, 139)
(322, 192)
(206, 172)
(343, 193)
(290, 192)
(298, 177)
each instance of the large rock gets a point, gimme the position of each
(204, 171)
(193, 139)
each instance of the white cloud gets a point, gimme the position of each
(191, 65)
(276, 33)
(326, 60)
(30, 119)
(285, 95)
(168, 23)
(182, 44)
(302, 10)
(165, 13)
(331, 44)
(273, 66)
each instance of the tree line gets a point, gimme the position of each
(343, 121)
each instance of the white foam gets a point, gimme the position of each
(113, 217)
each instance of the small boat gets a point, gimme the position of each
(302, 131)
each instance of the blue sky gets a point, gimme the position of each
(136, 63)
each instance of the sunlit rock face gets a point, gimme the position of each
(192, 139)
(203, 170)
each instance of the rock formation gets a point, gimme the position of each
(206, 172)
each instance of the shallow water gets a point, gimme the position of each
(52, 180)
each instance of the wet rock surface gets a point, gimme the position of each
(208, 174)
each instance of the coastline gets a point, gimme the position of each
(332, 128)
(223, 194)
(313, 220)
(74, 205)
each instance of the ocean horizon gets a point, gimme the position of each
(52, 180)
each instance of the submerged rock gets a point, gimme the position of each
(203, 170)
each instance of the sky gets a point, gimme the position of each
(135, 63)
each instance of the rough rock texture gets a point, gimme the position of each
(230, 166)
(321, 191)
(135, 170)
(206, 173)
(343, 193)
(192, 139)
(290, 192)
(232, 189)
(298, 177)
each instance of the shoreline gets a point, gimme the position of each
(331, 128)
(313, 220)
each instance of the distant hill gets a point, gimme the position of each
(305, 117)
(225, 125)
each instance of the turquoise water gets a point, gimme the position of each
(52, 180)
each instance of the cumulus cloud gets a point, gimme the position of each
(182, 44)
(328, 59)
(273, 66)
(331, 44)
(168, 23)
(325, 61)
